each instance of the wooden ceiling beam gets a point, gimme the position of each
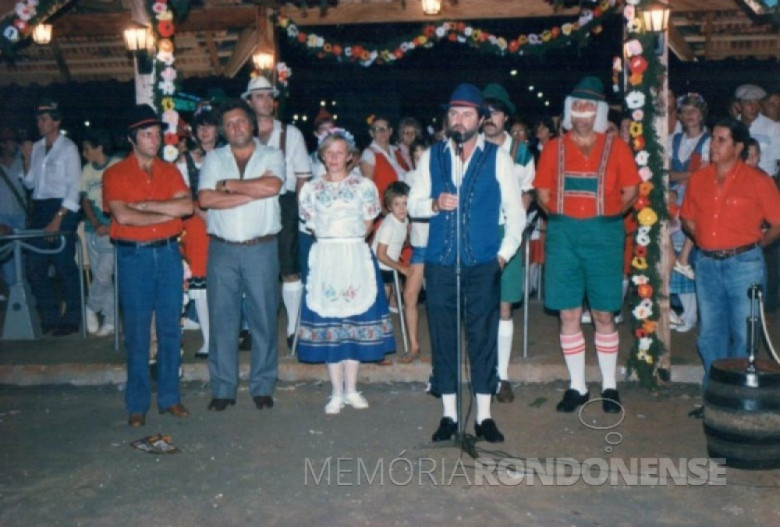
(112, 24)
(680, 46)
(212, 47)
(61, 64)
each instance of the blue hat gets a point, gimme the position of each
(468, 95)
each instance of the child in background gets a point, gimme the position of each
(391, 235)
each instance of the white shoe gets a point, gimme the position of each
(334, 406)
(682, 328)
(106, 330)
(92, 322)
(356, 401)
(393, 309)
(685, 270)
(586, 318)
(188, 324)
(619, 318)
(674, 318)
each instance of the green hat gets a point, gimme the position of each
(497, 92)
(589, 88)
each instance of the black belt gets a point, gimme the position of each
(419, 220)
(722, 254)
(147, 245)
(253, 241)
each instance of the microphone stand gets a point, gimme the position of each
(458, 172)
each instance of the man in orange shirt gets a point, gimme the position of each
(586, 180)
(147, 198)
(724, 208)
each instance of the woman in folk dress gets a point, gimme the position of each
(344, 318)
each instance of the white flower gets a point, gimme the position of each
(617, 64)
(320, 42)
(11, 33)
(645, 343)
(170, 153)
(635, 99)
(641, 312)
(585, 17)
(648, 303)
(440, 32)
(292, 31)
(633, 47)
(533, 38)
(171, 118)
(167, 88)
(406, 46)
(642, 240)
(642, 157)
(25, 12)
(640, 279)
(501, 43)
(643, 230)
(468, 31)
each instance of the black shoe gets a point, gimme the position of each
(698, 413)
(220, 404)
(505, 393)
(290, 340)
(64, 330)
(202, 355)
(488, 431)
(263, 401)
(611, 401)
(244, 340)
(572, 399)
(447, 429)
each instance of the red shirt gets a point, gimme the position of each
(730, 214)
(126, 181)
(621, 172)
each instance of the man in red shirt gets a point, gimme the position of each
(147, 198)
(724, 209)
(586, 180)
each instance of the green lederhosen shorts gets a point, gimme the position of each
(512, 275)
(584, 257)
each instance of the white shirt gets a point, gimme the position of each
(257, 218)
(767, 133)
(296, 158)
(391, 232)
(525, 174)
(56, 175)
(420, 200)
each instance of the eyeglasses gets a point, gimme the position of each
(380, 129)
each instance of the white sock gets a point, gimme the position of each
(351, 368)
(336, 374)
(449, 401)
(483, 407)
(202, 309)
(573, 347)
(506, 329)
(607, 346)
(291, 296)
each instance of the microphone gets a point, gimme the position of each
(458, 138)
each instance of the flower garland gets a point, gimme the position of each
(19, 24)
(165, 73)
(451, 31)
(644, 69)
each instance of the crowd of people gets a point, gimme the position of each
(251, 224)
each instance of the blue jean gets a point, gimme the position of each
(150, 281)
(724, 305)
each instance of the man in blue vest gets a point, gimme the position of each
(468, 180)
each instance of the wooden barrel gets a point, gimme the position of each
(742, 414)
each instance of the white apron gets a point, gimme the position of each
(341, 280)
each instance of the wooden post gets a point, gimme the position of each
(661, 124)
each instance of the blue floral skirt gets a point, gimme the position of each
(366, 337)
